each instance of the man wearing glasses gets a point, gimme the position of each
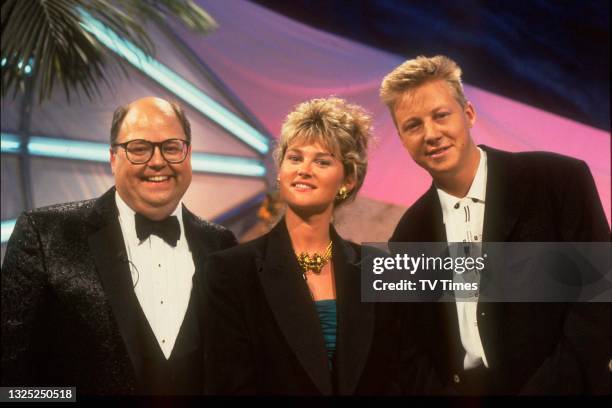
(98, 294)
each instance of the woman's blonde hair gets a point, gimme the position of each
(343, 128)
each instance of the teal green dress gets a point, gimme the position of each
(329, 326)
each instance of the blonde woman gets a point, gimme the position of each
(283, 312)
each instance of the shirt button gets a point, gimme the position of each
(457, 206)
(162, 302)
(482, 313)
(456, 378)
(474, 200)
(163, 341)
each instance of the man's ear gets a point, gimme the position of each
(470, 113)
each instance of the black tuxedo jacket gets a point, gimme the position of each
(544, 348)
(263, 331)
(69, 311)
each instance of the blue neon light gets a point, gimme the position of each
(69, 149)
(99, 152)
(240, 166)
(7, 229)
(177, 84)
(9, 143)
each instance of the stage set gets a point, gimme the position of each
(537, 76)
(238, 83)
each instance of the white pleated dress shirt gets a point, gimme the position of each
(463, 221)
(161, 275)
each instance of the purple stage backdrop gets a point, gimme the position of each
(272, 63)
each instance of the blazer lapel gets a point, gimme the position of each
(195, 240)
(432, 229)
(108, 249)
(189, 336)
(431, 224)
(503, 200)
(356, 319)
(503, 204)
(293, 308)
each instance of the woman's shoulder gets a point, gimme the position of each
(232, 267)
(241, 252)
(364, 250)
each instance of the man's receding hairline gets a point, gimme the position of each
(161, 104)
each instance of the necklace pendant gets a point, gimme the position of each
(314, 262)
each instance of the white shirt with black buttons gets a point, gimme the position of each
(161, 274)
(463, 220)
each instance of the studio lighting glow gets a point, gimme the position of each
(10, 143)
(7, 229)
(176, 84)
(239, 166)
(69, 149)
(99, 152)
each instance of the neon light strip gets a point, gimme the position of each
(99, 152)
(230, 165)
(176, 84)
(7, 229)
(69, 149)
(10, 143)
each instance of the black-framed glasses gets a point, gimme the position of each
(140, 151)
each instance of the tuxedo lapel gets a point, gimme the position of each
(195, 240)
(108, 249)
(189, 336)
(356, 319)
(289, 299)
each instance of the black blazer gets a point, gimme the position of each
(67, 299)
(544, 348)
(263, 331)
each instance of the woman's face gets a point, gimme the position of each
(310, 177)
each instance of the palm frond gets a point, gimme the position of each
(48, 36)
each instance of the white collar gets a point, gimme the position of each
(477, 190)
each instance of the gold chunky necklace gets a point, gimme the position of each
(314, 262)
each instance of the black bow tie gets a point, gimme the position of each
(167, 229)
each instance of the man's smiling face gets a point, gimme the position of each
(435, 128)
(155, 188)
